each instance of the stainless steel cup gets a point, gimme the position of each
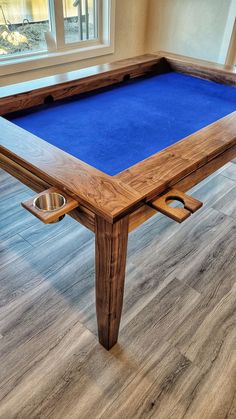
(50, 202)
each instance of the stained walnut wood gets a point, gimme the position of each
(111, 248)
(23, 175)
(191, 205)
(37, 92)
(112, 196)
(81, 214)
(142, 214)
(164, 169)
(95, 190)
(71, 76)
(176, 356)
(27, 94)
(180, 162)
(48, 217)
(112, 205)
(220, 73)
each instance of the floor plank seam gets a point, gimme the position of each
(230, 217)
(42, 243)
(228, 177)
(27, 241)
(209, 356)
(23, 238)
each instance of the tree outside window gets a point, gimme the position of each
(31, 26)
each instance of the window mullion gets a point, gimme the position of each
(95, 19)
(87, 19)
(57, 22)
(100, 20)
(80, 14)
(61, 45)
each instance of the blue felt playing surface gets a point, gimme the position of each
(116, 128)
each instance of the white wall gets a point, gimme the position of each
(195, 28)
(130, 40)
(228, 33)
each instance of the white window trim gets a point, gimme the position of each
(86, 49)
(227, 34)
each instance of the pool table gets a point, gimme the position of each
(119, 142)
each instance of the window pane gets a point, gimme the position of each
(23, 24)
(80, 20)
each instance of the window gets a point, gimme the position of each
(231, 54)
(29, 26)
(47, 30)
(23, 25)
(80, 20)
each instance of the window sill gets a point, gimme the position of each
(38, 61)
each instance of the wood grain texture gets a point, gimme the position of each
(34, 93)
(227, 204)
(95, 190)
(48, 217)
(23, 175)
(109, 201)
(115, 197)
(19, 220)
(176, 356)
(62, 78)
(166, 168)
(111, 249)
(220, 73)
(143, 214)
(118, 195)
(190, 205)
(12, 248)
(230, 171)
(31, 93)
(81, 214)
(40, 233)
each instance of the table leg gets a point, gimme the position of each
(111, 250)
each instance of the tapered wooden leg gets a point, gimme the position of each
(111, 250)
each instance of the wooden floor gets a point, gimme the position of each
(176, 356)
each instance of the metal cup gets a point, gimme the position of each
(50, 202)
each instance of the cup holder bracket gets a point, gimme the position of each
(190, 205)
(51, 205)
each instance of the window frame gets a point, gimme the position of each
(71, 52)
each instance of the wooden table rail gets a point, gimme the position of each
(113, 206)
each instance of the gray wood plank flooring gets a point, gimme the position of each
(176, 356)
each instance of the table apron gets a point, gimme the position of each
(138, 216)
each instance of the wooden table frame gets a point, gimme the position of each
(112, 206)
